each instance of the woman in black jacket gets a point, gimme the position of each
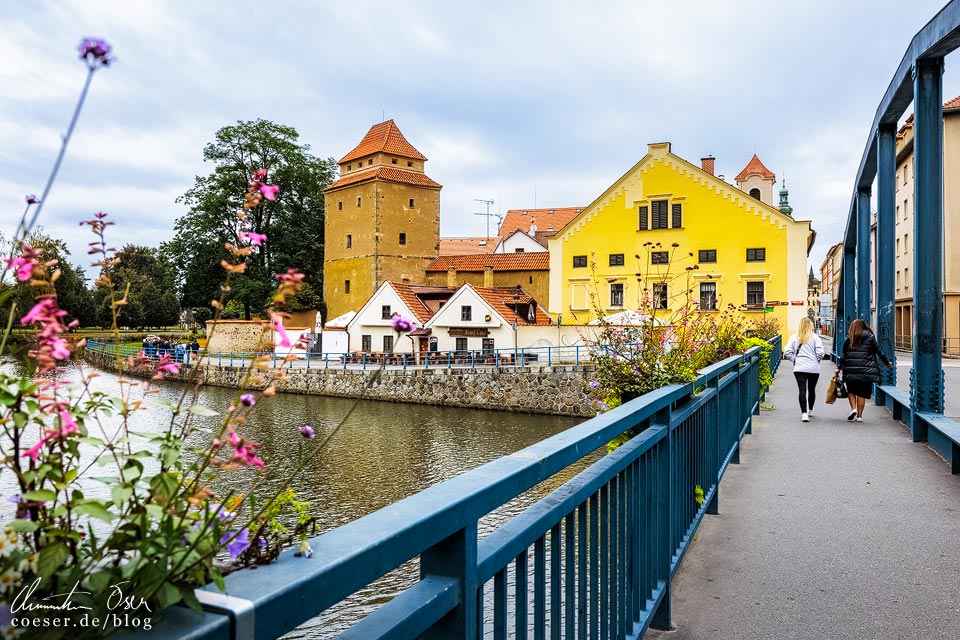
(859, 364)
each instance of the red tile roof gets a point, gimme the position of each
(952, 104)
(410, 294)
(387, 174)
(468, 246)
(545, 219)
(755, 167)
(539, 261)
(384, 138)
(501, 299)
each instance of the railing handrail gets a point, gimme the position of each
(285, 594)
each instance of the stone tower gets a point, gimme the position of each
(757, 180)
(785, 207)
(382, 220)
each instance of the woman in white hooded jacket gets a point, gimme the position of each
(805, 351)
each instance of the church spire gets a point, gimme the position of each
(785, 207)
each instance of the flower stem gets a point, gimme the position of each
(25, 228)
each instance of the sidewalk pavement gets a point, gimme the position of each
(827, 530)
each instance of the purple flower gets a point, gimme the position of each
(94, 51)
(247, 400)
(594, 384)
(237, 543)
(401, 324)
(261, 542)
(6, 617)
(32, 199)
(307, 432)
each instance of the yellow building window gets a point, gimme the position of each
(349, 241)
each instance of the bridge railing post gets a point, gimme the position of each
(665, 522)
(455, 557)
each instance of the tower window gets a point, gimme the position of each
(358, 201)
(411, 203)
(339, 205)
(403, 238)
(346, 286)
(755, 193)
(349, 241)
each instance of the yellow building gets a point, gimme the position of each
(746, 252)
(382, 220)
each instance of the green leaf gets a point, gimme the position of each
(121, 494)
(40, 495)
(155, 511)
(190, 598)
(23, 526)
(100, 582)
(202, 411)
(50, 558)
(94, 509)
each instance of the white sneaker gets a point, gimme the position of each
(851, 415)
(810, 412)
(804, 418)
(859, 420)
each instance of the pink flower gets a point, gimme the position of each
(23, 267)
(255, 239)
(166, 364)
(67, 424)
(269, 191)
(276, 321)
(34, 452)
(292, 275)
(59, 348)
(94, 51)
(32, 199)
(260, 175)
(40, 312)
(401, 324)
(307, 432)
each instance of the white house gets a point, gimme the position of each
(520, 242)
(484, 319)
(370, 330)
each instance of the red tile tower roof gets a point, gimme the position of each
(534, 261)
(952, 104)
(384, 138)
(520, 219)
(387, 174)
(755, 167)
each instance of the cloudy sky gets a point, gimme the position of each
(526, 103)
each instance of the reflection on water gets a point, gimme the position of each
(383, 453)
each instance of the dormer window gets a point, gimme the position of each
(393, 161)
(349, 167)
(409, 163)
(370, 161)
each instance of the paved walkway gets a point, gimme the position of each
(827, 530)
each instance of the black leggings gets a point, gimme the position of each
(808, 389)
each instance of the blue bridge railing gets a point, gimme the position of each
(918, 80)
(595, 558)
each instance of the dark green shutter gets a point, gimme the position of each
(677, 215)
(643, 218)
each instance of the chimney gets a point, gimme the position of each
(452, 277)
(488, 277)
(708, 164)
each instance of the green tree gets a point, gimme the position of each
(151, 298)
(73, 295)
(293, 222)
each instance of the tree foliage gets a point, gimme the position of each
(151, 298)
(293, 223)
(72, 292)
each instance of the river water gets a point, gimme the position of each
(382, 453)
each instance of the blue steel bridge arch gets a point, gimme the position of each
(918, 79)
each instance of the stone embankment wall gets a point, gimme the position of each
(551, 390)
